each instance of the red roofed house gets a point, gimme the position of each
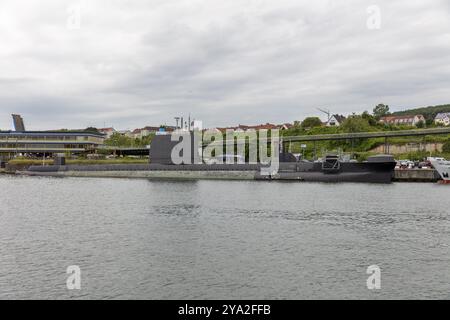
(285, 126)
(136, 133)
(410, 120)
(107, 131)
(267, 126)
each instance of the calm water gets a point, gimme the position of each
(222, 239)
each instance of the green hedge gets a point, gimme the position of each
(446, 147)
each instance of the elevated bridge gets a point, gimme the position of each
(122, 151)
(359, 135)
(367, 135)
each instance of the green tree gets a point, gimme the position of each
(420, 124)
(145, 141)
(119, 140)
(446, 147)
(91, 129)
(355, 123)
(370, 118)
(380, 110)
(311, 122)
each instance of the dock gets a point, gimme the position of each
(399, 175)
(416, 175)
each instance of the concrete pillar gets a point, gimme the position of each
(386, 145)
(315, 151)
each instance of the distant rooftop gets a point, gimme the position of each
(53, 132)
(442, 115)
(18, 122)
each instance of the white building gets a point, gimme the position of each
(335, 120)
(107, 131)
(442, 118)
(409, 120)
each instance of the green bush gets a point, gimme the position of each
(446, 147)
(311, 122)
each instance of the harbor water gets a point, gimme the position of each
(142, 239)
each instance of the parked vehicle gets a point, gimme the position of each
(405, 164)
(226, 158)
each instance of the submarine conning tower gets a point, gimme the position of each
(162, 145)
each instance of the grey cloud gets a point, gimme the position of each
(226, 62)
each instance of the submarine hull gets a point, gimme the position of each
(370, 171)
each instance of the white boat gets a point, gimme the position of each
(442, 166)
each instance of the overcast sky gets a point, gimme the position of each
(127, 64)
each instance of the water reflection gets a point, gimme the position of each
(221, 239)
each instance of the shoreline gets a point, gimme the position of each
(402, 176)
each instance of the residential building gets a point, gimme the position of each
(335, 120)
(410, 120)
(136, 133)
(285, 126)
(442, 118)
(143, 132)
(267, 126)
(124, 132)
(108, 132)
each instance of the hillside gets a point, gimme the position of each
(428, 112)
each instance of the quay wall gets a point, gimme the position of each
(246, 172)
(152, 174)
(416, 175)
(406, 175)
(12, 168)
(410, 147)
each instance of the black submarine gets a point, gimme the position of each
(332, 168)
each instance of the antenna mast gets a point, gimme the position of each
(327, 112)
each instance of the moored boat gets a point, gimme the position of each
(442, 166)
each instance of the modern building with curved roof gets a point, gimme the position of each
(13, 143)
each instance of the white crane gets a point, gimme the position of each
(327, 112)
